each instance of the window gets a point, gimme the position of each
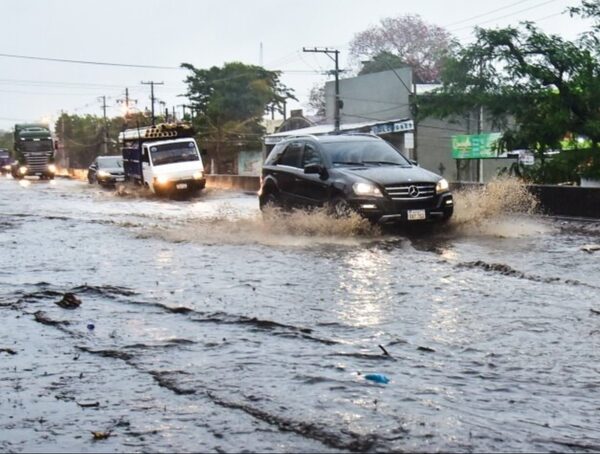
(292, 156)
(311, 155)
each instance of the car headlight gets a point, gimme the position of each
(7, 167)
(161, 179)
(441, 186)
(23, 170)
(103, 174)
(52, 168)
(366, 189)
(198, 175)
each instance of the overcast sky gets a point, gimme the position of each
(204, 33)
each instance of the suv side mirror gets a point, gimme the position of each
(316, 169)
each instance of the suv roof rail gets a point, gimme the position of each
(352, 133)
(333, 133)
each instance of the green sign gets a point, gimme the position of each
(475, 146)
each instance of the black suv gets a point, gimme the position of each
(359, 172)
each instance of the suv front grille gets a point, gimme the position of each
(410, 191)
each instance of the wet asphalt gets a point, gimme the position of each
(203, 327)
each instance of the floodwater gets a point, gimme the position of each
(216, 330)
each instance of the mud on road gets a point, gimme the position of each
(202, 327)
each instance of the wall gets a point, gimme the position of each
(377, 96)
(237, 182)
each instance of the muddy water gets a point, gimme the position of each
(216, 330)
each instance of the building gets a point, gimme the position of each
(380, 103)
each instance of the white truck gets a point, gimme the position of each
(165, 158)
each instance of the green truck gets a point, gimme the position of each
(34, 149)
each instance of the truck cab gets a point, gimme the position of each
(34, 148)
(165, 158)
(172, 166)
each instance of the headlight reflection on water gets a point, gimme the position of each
(366, 288)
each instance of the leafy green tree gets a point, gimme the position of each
(537, 88)
(83, 136)
(230, 102)
(6, 140)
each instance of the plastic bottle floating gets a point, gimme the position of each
(377, 378)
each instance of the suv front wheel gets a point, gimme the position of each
(269, 200)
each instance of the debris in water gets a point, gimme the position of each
(100, 435)
(69, 301)
(90, 326)
(385, 352)
(10, 351)
(377, 378)
(88, 404)
(595, 311)
(426, 349)
(589, 248)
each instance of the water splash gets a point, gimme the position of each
(500, 208)
(276, 228)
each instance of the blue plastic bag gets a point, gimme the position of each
(378, 378)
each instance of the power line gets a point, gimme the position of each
(87, 62)
(486, 14)
(507, 15)
(152, 98)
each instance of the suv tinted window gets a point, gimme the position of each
(292, 156)
(364, 152)
(311, 155)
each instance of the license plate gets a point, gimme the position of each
(181, 186)
(416, 215)
(120, 179)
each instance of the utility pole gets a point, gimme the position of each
(152, 84)
(127, 101)
(338, 102)
(105, 125)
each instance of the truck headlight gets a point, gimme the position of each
(366, 189)
(23, 170)
(441, 186)
(161, 179)
(198, 175)
(103, 174)
(52, 168)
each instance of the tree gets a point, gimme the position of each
(415, 42)
(83, 136)
(383, 61)
(6, 140)
(230, 102)
(316, 99)
(538, 88)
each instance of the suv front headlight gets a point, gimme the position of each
(103, 174)
(366, 189)
(441, 186)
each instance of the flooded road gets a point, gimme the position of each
(204, 328)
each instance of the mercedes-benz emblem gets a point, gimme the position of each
(413, 191)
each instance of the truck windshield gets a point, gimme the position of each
(174, 152)
(36, 145)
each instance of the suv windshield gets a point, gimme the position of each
(363, 153)
(110, 163)
(174, 152)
